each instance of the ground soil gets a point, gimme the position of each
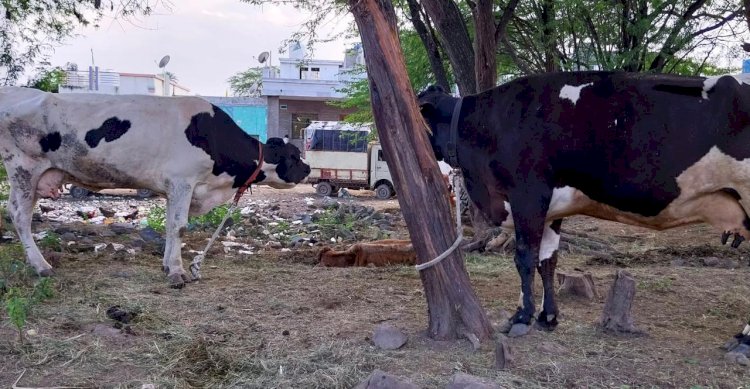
(275, 320)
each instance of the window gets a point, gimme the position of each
(299, 122)
(306, 73)
(380, 155)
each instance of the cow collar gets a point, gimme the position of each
(253, 176)
(451, 149)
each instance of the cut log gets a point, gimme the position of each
(503, 355)
(577, 284)
(616, 315)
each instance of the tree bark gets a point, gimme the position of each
(616, 315)
(485, 45)
(431, 46)
(456, 41)
(451, 301)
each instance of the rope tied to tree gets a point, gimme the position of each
(459, 229)
(195, 266)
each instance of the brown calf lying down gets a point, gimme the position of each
(378, 253)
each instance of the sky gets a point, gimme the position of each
(207, 41)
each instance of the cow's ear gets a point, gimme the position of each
(426, 108)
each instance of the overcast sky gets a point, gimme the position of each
(208, 41)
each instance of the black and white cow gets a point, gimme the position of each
(183, 148)
(656, 151)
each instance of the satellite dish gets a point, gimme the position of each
(263, 57)
(164, 61)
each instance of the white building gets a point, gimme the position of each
(116, 83)
(298, 92)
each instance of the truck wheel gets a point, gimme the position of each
(324, 189)
(144, 193)
(383, 191)
(78, 193)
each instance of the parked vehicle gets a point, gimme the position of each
(341, 155)
(79, 193)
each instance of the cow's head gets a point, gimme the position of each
(283, 166)
(436, 106)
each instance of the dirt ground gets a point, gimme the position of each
(275, 320)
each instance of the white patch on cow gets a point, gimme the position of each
(615, 122)
(573, 93)
(746, 331)
(710, 82)
(272, 178)
(550, 242)
(520, 299)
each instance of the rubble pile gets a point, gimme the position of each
(120, 224)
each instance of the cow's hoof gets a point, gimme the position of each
(737, 240)
(546, 322)
(47, 273)
(725, 236)
(178, 280)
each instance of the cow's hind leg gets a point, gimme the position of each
(547, 319)
(179, 195)
(741, 342)
(20, 205)
(529, 219)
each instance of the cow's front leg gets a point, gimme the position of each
(528, 217)
(178, 206)
(20, 206)
(740, 344)
(547, 319)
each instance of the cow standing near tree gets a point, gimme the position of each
(656, 151)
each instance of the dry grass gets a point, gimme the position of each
(276, 321)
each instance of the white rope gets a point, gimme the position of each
(459, 229)
(195, 266)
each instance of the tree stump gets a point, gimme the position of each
(616, 315)
(577, 284)
(503, 356)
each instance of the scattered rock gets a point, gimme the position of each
(711, 261)
(678, 262)
(519, 329)
(466, 381)
(121, 315)
(107, 212)
(382, 380)
(388, 337)
(503, 353)
(148, 234)
(738, 358)
(68, 237)
(722, 263)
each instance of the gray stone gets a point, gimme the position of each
(519, 329)
(306, 219)
(711, 261)
(68, 236)
(148, 234)
(388, 337)
(122, 228)
(736, 357)
(382, 380)
(466, 381)
(275, 245)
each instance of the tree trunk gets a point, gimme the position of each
(616, 315)
(451, 301)
(485, 46)
(430, 45)
(456, 41)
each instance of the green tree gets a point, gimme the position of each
(248, 82)
(30, 29)
(48, 80)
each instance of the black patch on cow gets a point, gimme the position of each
(112, 129)
(732, 192)
(694, 91)
(556, 225)
(50, 142)
(233, 151)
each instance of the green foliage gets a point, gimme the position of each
(248, 82)
(32, 28)
(4, 185)
(213, 218)
(20, 288)
(48, 80)
(51, 241)
(156, 219)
